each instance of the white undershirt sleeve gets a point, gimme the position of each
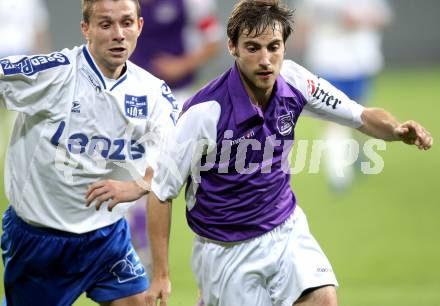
(195, 135)
(324, 101)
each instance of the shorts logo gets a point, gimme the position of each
(76, 107)
(285, 124)
(136, 107)
(31, 65)
(128, 268)
(324, 270)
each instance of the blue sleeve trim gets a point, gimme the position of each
(168, 95)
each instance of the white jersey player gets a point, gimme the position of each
(78, 126)
(85, 114)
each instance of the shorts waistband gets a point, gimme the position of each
(16, 220)
(291, 217)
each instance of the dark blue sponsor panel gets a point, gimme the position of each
(31, 65)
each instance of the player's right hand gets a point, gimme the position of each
(116, 191)
(159, 290)
(413, 133)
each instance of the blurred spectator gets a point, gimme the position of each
(23, 30)
(178, 37)
(341, 42)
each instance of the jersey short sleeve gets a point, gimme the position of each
(33, 84)
(163, 118)
(324, 101)
(194, 136)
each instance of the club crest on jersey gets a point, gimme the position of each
(285, 124)
(136, 107)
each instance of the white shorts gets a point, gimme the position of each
(270, 270)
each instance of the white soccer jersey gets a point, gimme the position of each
(74, 129)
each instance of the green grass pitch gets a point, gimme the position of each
(382, 236)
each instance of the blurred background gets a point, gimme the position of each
(411, 40)
(382, 233)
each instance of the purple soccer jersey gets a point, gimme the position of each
(162, 33)
(247, 194)
(233, 157)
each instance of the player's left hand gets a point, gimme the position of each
(412, 133)
(159, 290)
(116, 191)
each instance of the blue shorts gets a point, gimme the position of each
(356, 89)
(50, 267)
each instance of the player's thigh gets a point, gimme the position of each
(303, 264)
(231, 274)
(322, 296)
(121, 273)
(39, 265)
(134, 300)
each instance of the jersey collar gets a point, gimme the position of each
(243, 107)
(241, 102)
(89, 59)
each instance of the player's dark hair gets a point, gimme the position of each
(87, 8)
(255, 16)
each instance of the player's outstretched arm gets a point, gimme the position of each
(159, 223)
(118, 191)
(379, 123)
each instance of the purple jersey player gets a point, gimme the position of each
(231, 147)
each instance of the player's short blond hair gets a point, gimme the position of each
(87, 8)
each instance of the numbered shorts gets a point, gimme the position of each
(49, 268)
(270, 270)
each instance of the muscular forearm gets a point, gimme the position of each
(378, 123)
(159, 223)
(381, 124)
